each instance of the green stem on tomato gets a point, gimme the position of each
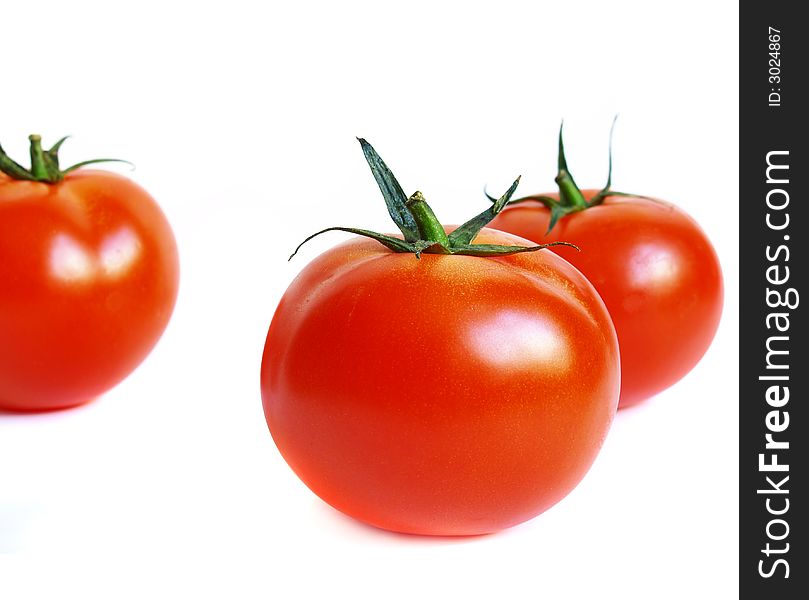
(38, 168)
(570, 191)
(422, 232)
(44, 164)
(430, 227)
(571, 199)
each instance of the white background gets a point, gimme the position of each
(241, 120)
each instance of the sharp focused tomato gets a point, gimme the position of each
(88, 281)
(446, 395)
(655, 269)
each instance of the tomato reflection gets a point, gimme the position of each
(72, 261)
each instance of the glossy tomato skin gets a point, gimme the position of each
(657, 273)
(451, 395)
(88, 280)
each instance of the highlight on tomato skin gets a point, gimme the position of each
(652, 264)
(89, 275)
(434, 390)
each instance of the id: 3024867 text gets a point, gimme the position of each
(775, 66)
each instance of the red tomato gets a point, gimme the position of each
(446, 395)
(88, 281)
(656, 271)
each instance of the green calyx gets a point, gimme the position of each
(44, 163)
(422, 232)
(571, 199)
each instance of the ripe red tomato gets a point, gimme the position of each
(446, 395)
(88, 281)
(655, 270)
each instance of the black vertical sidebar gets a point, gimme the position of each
(774, 299)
